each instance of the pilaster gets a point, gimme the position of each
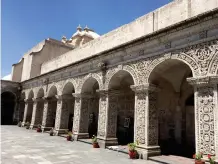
(37, 111)
(106, 121)
(61, 121)
(32, 125)
(45, 115)
(206, 114)
(146, 120)
(25, 111)
(80, 122)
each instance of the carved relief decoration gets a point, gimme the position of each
(153, 119)
(103, 104)
(60, 106)
(112, 71)
(112, 116)
(72, 81)
(83, 79)
(77, 107)
(205, 115)
(141, 115)
(84, 115)
(45, 111)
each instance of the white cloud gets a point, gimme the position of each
(7, 77)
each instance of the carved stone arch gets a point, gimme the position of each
(72, 81)
(50, 86)
(132, 72)
(30, 94)
(181, 57)
(35, 91)
(40, 92)
(213, 68)
(114, 70)
(91, 75)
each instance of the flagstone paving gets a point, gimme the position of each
(22, 146)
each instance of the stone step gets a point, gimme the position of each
(171, 159)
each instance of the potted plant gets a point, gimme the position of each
(211, 159)
(38, 129)
(198, 158)
(51, 132)
(95, 142)
(27, 125)
(132, 150)
(19, 124)
(69, 136)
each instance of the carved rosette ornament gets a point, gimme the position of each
(206, 114)
(146, 124)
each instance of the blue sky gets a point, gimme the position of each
(27, 22)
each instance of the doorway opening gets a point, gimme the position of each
(8, 101)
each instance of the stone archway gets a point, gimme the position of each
(121, 108)
(8, 102)
(67, 113)
(90, 107)
(171, 105)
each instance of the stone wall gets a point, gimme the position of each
(168, 15)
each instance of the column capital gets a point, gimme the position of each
(64, 97)
(82, 95)
(203, 81)
(144, 88)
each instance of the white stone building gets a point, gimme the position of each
(153, 80)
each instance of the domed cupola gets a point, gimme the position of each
(81, 36)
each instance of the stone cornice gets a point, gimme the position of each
(79, 69)
(203, 81)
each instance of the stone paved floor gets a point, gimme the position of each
(22, 146)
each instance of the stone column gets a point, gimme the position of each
(33, 125)
(37, 113)
(25, 112)
(62, 115)
(146, 120)
(206, 114)
(81, 115)
(45, 115)
(106, 120)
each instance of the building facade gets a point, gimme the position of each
(153, 81)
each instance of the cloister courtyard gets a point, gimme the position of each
(22, 146)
